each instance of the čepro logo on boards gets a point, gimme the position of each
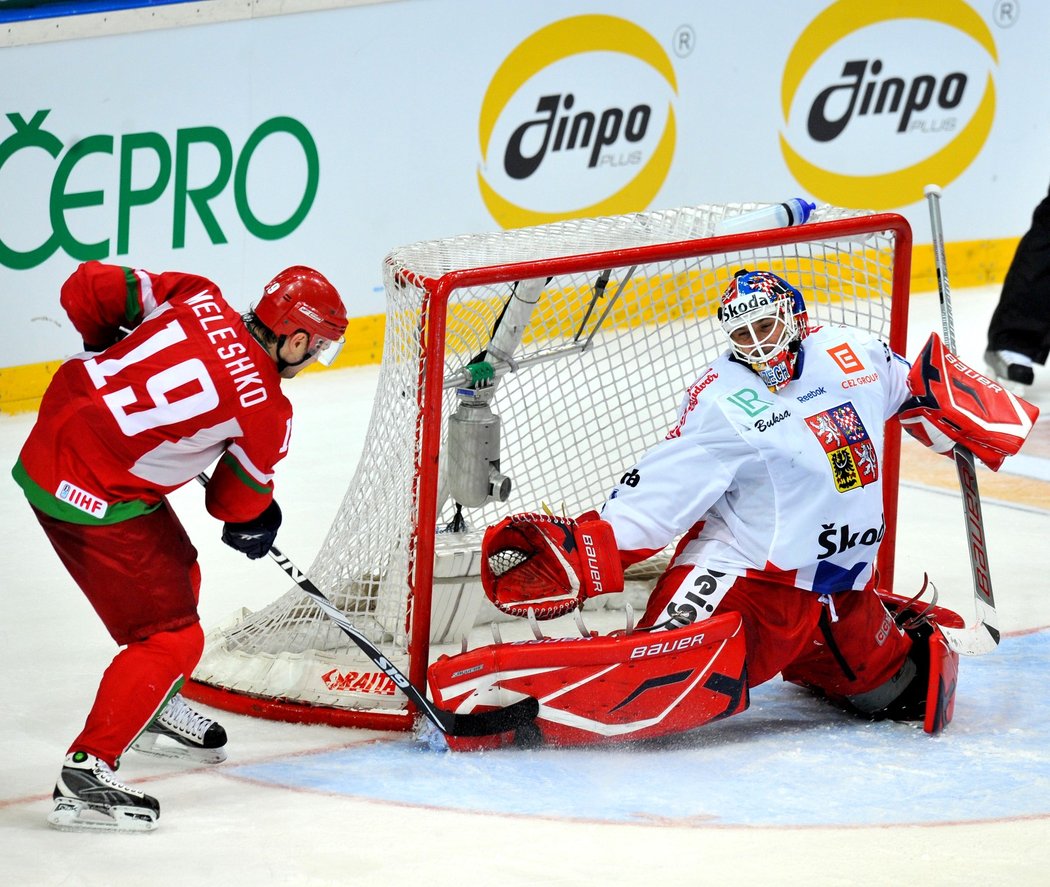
(879, 99)
(578, 121)
(87, 197)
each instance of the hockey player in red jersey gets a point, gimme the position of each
(771, 482)
(171, 380)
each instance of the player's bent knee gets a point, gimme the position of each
(923, 689)
(182, 647)
(903, 696)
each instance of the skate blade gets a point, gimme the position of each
(164, 747)
(71, 815)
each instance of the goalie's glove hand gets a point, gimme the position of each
(549, 564)
(953, 404)
(254, 537)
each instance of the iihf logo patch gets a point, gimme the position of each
(78, 498)
(850, 451)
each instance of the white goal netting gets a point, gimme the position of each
(611, 320)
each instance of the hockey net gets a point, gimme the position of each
(621, 319)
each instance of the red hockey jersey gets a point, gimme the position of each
(119, 430)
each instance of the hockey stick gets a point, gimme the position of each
(608, 307)
(983, 637)
(486, 723)
(600, 283)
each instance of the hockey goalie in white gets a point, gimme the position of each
(771, 481)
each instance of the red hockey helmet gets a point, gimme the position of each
(300, 298)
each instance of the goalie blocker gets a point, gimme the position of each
(641, 685)
(954, 404)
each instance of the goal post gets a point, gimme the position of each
(523, 368)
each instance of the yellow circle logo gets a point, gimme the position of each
(559, 126)
(867, 90)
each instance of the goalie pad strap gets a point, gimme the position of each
(954, 404)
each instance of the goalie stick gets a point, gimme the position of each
(486, 723)
(982, 637)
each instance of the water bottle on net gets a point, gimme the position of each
(778, 215)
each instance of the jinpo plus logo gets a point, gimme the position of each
(578, 121)
(879, 99)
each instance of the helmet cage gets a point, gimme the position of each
(771, 351)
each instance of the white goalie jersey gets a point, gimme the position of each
(787, 482)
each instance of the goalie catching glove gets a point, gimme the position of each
(954, 404)
(549, 564)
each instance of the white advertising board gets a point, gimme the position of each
(327, 138)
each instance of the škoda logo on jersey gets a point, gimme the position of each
(881, 98)
(849, 449)
(578, 121)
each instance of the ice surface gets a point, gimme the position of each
(789, 792)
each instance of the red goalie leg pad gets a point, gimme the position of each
(940, 692)
(596, 690)
(954, 404)
(944, 661)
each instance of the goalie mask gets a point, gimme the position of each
(300, 298)
(765, 319)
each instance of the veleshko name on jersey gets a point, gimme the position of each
(242, 370)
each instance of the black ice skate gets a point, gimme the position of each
(88, 797)
(1011, 369)
(180, 732)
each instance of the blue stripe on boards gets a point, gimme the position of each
(27, 10)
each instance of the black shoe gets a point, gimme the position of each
(88, 797)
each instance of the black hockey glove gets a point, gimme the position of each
(254, 537)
